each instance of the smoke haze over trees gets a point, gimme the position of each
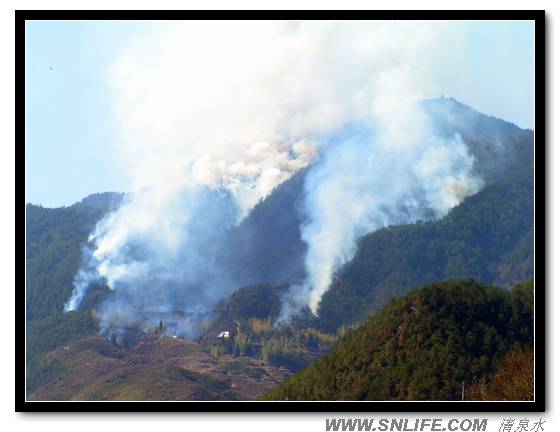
(267, 246)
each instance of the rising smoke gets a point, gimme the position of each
(213, 115)
(364, 182)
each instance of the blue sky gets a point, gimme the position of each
(497, 76)
(70, 131)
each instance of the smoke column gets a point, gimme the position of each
(368, 180)
(211, 116)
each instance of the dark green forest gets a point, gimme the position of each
(54, 240)
(423, 346)
(488, 237)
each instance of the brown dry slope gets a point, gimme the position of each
(162, 369)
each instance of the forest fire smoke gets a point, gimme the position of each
(213, 115)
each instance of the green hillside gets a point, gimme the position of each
(54, 239)
(488, 237)
(423, 346)
(267, 246)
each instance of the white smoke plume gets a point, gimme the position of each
(211, 116)
(362, 184)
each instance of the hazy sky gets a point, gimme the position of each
(71, 130)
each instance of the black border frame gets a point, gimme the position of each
(538, 405)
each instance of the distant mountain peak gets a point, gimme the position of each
(101, 200)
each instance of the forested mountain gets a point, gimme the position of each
(54, 238)
(423, 346)
(499, 147)
(266, 247)
(488, 237)
(269, 243)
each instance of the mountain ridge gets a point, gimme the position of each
(423, 346)
(489, 236)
